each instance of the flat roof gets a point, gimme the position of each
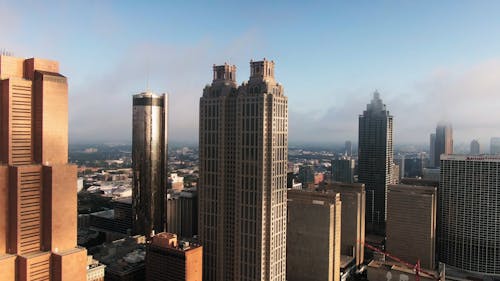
(483, 157)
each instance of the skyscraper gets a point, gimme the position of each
(432, 150)
(348, 148)
(375, 159)
(149, 162)
(38, 214)
(475, 148)
(444, 142)
(243, 166)
(306, 174)
(468, 213)
(495, 146)
(343, 169)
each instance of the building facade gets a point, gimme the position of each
(343, 169)
(306, 174)
(353, 197)
(469, 209)
(432, 150)
(243, 175)
(149, 162)
(182, 212)
(411, 223)
(173, 260)
(495, 146)
(375, 160)
(38, 204)
(475, 147)
(313, 245)
(443, 143)
(348, 148)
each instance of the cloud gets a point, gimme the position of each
(101, 110)
(469, 98)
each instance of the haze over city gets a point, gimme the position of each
(429, 60)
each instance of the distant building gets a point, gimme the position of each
(469, 210)
(95, 270)
(343, 169)
(432, 151)
(475, 148)
(115, 223)
(353, 197)
(182, 213)
(297, 185)
(149, 162)
(306, 174)
(444, 142)
(313, 236)
(124, 258)
(38, 187)
(413, 166)
(176, 182)
(431, 174)
(319, 178)
(401, 162)
(495, 146)
(395, 173)
(411, 223)
(348, 148)
(375, 157)
(173, 260)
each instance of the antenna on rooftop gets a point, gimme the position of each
(147, 76)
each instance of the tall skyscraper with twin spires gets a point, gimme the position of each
(375, 158)
(243, 173)
(38, 204)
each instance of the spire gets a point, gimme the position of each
(376, 104)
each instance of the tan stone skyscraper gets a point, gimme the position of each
(242, 189)
(37, 185)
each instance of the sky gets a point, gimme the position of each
(431, 61)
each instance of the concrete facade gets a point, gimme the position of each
(38, 214)
(469, 209)
(243, 175)
(411, 223)
(353, 197)
(313, 236)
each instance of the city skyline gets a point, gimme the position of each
(437, 65)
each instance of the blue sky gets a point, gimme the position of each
(430, 60)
